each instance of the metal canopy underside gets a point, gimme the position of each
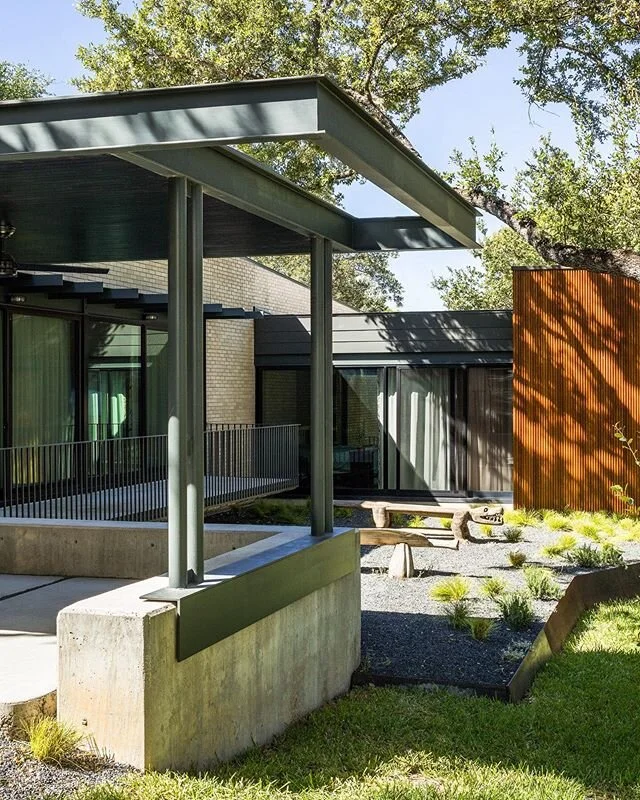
(101, 208)
(165, 131)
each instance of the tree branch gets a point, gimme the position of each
(625, 263)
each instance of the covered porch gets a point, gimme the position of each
(153, 175)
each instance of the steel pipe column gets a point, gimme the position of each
(178, 347)
(321, 388)
(195, 356)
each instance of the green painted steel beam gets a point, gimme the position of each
(310, 108)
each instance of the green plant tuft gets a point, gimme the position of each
(541, 583)
(561, 546)
(487, 530)
(415, 522)
(590, 557)
(458, 615)
(523, 517)
(446, 523)
(51, 741)
(512, 533)
(556, 521)
(611, 556)
(516, 610)
(451, 589)
(516, 558)
(480, 628)
(493, 587)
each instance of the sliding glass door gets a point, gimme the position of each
(489, 430)
(425, 414)
(114, 372)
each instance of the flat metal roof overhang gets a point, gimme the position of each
(99, 193)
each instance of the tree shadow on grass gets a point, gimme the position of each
(580, 724)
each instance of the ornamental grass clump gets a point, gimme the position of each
(486, 530)
(590, 557)
(416, 522)
(516, 558)
(458, 615)
(523, 517)
(480, 628)
(446, 523)
(52, 742)
(516, 610)
(492, 587)
(541, 583)
(560, 547)
(451, 590)
(512, 533)
(556, 521)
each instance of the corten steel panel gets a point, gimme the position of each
(576, 373)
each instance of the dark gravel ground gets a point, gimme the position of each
(405, 634)
(24, 778)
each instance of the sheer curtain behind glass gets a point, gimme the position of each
(424, 429)
(43, 399)
(489, 430)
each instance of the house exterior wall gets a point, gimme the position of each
(576, 373)
(230, 374)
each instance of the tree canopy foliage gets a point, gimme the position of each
(18, 82)
(580, 212)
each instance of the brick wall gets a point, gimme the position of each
(230, 376)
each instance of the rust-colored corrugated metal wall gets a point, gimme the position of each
(576, 373)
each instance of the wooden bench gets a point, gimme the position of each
(403, 539)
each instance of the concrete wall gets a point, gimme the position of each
(133, 550)
(120, 681)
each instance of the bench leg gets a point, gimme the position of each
(401, 564)
(381, 517)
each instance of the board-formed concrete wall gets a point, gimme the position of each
(82, 549)
(121, 683)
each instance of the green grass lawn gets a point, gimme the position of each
(578, 736)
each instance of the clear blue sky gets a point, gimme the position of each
(46, 33)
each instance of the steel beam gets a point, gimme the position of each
(319, 412)
(195, 363)
(178, 347)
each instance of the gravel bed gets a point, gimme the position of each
(405, 633)
(24, 778)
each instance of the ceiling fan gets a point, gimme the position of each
(9, 268)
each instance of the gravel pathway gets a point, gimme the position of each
(405, 634)
(24, 778)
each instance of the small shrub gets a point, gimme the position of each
(516, 650)
(493, 587)
(586, 528)
(415, 522)
(486, 530)
(516, 558)
(556, 521)
(516, 610)
(446, 523)
(480, 627)
(523, 517)
(451, 590)
(586, 556)
(561, 546)
(512, 533)
(397, 520)
(458, 615)
(541, 583)
(611, 555)
(51, 741)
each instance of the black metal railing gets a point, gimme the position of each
(126, 478)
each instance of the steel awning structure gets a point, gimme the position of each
(152, 174)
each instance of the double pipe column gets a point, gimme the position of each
(185, 494)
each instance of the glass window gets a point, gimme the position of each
(114, 366)
(425, 428)
(157, 382)
(286, 400)
(358, 428)
(43, 386)
(489, 430)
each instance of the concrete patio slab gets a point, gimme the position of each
(29, 606)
